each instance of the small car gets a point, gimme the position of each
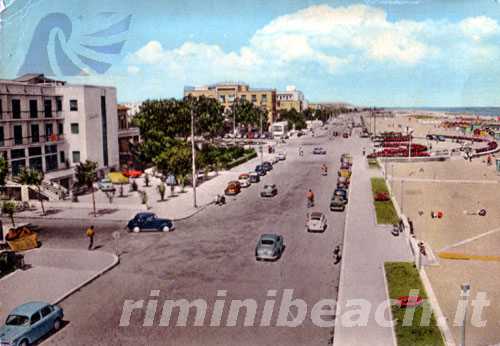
(259, 169)
(244, 180)
(269, 190)
(344, 173)
(342, 193)
(149, 222)
(275, 160)
(319, 151)
(10, 261)
(132, 173)
(337, 203)
(106, 185)
(267, 166)
(233, 188)
(269, 247)
(316, 222)
(30, 322)
(342, 183)
(281, 156)
(254, 177)
(345, 165)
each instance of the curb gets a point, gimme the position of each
(199, 209)
(116, 260)
(395, 340)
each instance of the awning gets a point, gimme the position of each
(117, 178)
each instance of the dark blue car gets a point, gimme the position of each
(149, 222)
(260, 170)
(267, 166)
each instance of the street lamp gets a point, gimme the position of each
(194, 160)
(464, 296)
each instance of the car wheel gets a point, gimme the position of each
(136, 229)
(165, 229)
(24, 343)
(57, 324)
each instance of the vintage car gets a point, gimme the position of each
(319, 151)
(106, 185)
(244, 180)
(344, 173)
(254, 177)
(267, 166)
(342, 193)
(149, 222)
(269, 247)
(233, 188)
(281, 156)
(342, 183)
(316, 222)
(337, 203)
(30, 322)
(259, 169)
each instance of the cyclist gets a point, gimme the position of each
(310, 198)
(301, 152)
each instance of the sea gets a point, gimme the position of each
(480, 111)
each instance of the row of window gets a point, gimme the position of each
(33, 107)
(35, 133)
(35, 158)
(230, 98)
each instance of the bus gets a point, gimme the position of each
(279, 129)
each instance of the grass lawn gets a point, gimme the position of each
(386, 214)
(373, 163)
(401, 278)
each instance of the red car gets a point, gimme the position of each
(132, 173)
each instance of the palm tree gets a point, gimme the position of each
(33, 177)
(9, 208)
(86, 175)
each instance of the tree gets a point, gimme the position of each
(245, 112)
(86, 175)
(175, 160)
(294, 118)
(9, 208)
(4, 170)
(209, 116)
(33, 177)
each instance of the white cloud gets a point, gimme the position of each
(332, 39)
(133, 70)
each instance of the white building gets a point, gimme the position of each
(51, 126)
(291, 99)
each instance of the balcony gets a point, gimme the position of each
(7, 116)
(130, 132)
(27, 141)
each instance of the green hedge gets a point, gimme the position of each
(401, 278)
(242, 159)
(386, 213)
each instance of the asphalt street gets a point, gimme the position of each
(213, 252)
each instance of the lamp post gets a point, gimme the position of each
(193, 152)
(464, 296)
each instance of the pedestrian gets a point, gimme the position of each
(364, 151)
(90, 233)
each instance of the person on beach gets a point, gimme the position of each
(90, 232)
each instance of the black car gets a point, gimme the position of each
(259, 169)
(340, 192)
(149, 222)
(267, 166)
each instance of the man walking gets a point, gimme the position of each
(90, 233)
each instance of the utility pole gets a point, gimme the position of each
(402, 194)
(234, 122)
(195, 176)
(464, 296)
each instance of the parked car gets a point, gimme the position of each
(132, 173)
(269, 247)
(10, 261)
(319, 151)
(254, 177)
(344, 173)
(269, 190)
(282, 156)
(342, 183)
(345, 165)
(106, 185)
(30, 322)
(342, 193)
(233, 188)
(149, 222)
(267, 166)
(275, 160)
(259, 169)
(337, 203)
(316, 222)
(244, 180)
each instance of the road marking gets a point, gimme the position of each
(462, 256)
(465, 241)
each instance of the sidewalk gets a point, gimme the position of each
(178, 207)
(366, 247)
(52, 275)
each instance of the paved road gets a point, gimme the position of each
(214, 251)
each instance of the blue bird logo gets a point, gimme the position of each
(52, 50)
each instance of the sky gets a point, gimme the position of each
(402, 53)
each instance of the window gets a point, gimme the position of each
(76, 156)
(254, 98)
(243, 97)
(222, 98)
(17, 166)
(48, 108)
(2, 138)
(58, 104)
(34, 151)
(17, 153)
(18, 134)
(35, 318)
(62, 157)
(1, 108)
(16, 109)
(51, 163)
(33, 109)
(35, 133)
(49, 131)
(51, 149)
(60, 129)
(46, 311)
(36, 163)
(73, 105)
(75, 129)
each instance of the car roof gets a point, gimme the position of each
(316, 214)
(269, 237)
(29, 308)
(243, 175)
(144, 214)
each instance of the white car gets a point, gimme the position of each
(244, 180)
(281, 156)
(316, 222)
(275, 160)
